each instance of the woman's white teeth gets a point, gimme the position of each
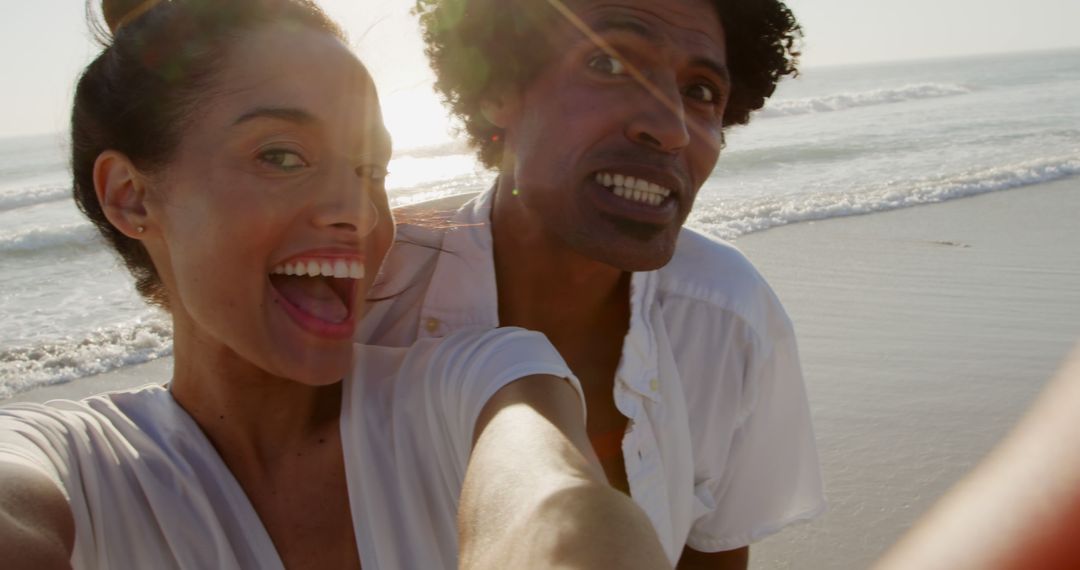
(337, 268)
(635, 189)
(341, 269)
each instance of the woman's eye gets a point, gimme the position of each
(702, 92)
(372, 172)
(285, 160)
(605, 63)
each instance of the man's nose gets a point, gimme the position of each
(660, 123)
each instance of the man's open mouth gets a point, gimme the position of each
(633, 189)
(321, 287)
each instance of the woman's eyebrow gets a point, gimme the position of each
(290, 114)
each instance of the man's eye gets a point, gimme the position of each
(285, 160)
(605, 63)
(704, 93)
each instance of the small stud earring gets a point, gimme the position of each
(140, 229)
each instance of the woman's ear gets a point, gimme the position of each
(501, 107)
(121, 191)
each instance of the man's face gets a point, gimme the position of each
(610, 142)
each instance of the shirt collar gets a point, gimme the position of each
(464, 294)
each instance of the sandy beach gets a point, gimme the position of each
(924, 332)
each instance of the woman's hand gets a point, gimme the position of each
(37, 531)
(535, 495)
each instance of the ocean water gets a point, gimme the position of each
(837, 141)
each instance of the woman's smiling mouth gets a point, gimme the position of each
(319, 291)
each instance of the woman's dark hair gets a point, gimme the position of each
(159, 57)
(475, 46)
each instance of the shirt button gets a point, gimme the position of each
(654, 384)
(431, 325)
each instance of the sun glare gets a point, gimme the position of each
(415, 118)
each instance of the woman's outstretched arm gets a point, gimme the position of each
(535, 495)
(1021, 508)
(37, 531)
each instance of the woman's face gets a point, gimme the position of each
(272, 219)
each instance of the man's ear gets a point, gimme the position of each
(500, 107)
(121, 191)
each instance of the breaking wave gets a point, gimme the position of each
(842, 101)
(34, 240)
(729, 219)
(102, 350)
(32, 197)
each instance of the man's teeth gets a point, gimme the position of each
(338, 268)
(635, 189)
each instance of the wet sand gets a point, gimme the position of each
(925, 333)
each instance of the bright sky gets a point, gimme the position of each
(46, 42)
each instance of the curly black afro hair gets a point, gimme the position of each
(470, 47)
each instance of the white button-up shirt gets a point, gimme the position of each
(719, 449)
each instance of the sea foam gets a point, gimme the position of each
(728, 219)
(105, 349)
(35, 240)
(849, 100)
(33, 196)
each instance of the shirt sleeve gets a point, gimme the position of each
(474, 364)
(35, 436)
(771, 476)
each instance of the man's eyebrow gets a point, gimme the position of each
(623, 24)
(290, 114)
(633, 26)
(714, 66)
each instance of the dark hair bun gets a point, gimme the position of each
(119, 13)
